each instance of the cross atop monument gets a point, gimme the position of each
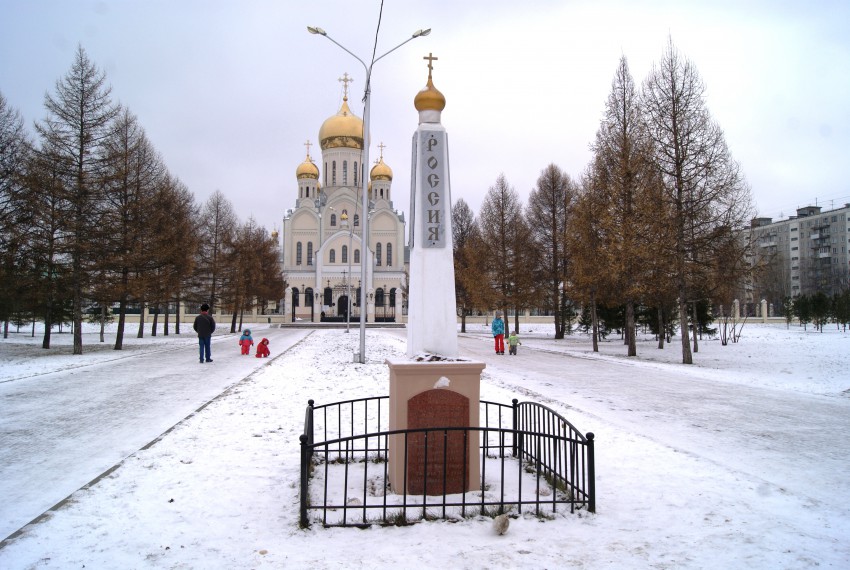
(308, 144)
(431, 59)
(345, 80)
(382, 146)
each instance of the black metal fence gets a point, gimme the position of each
(532, 460)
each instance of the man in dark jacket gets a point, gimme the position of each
(204, 326)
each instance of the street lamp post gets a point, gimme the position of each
(361, 356)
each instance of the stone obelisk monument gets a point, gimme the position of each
(432, 313)
(432, 388)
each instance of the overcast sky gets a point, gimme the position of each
(228, 92)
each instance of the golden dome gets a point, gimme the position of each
(343, 130)
(381, 171)
(307, 169)
(429, 98)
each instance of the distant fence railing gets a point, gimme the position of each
(532, 460)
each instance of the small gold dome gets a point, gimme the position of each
(343, 130)
(307, 169)
(429, 98)
(381, 171)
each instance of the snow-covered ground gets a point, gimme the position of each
(739, 461)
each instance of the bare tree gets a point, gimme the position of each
(547, 215)
(14, 148)
(216, 228)
(702, 182)
(507, 242)
(466, 242)
(76, 126)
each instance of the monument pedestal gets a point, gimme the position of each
(436, 394)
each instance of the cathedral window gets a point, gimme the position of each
(333, 173)
(392, 297)
(333, 219)
(309, 253)
(356, 220)
(389, 254)
(379, 297)
(332, 256)
(378, 253)
(345, 254)
(356, 256)
(326, 174)
(298, 253)
(295, 297)
(344, 172)
(355, 174)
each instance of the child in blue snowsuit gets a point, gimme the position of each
(245, 341)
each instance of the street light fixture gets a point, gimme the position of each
(361, 356)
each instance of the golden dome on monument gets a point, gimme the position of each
(343, 130)
(307, 169)
(429, 98)
(381, 171)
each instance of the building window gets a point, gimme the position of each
(379, 297)
(344, 172)
(389, 254)
(332, 256)
(295, 297)
(298, 253)
(326, 174)
(333, 173)
(355, 174)
(378, 254)
(345, 254)
(392, 297)
(309, 253)
(308, 297)
(333, 219)
(356, 220)
(356, 256)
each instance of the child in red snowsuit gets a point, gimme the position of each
(263, 348)
(246, 341)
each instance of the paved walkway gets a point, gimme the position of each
(61, 430)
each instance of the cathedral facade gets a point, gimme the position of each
(322, 237)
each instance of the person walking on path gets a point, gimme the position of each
(204, 326)
(498, 329)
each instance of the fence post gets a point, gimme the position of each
(305, 471)
(591, 475)
(515, 411)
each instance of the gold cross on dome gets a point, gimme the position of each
(345, 80)
(431, 59)
(382, 146)
(308, 144)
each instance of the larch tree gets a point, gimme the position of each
(623, 164)
(701, 181)
(14, 152)
(506, 240)
(216, 229)
(547, 215)
(79, 114)
(468, 271)
(133, 171)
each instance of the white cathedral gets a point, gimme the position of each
(322, 247)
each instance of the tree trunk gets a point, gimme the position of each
(661, 328)
(102, 322)
(155, 322)
(696, 328)
(630, 328)
(165, 322)
(141, 332)
(594, 321)
(177, 315)
(687, 357)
